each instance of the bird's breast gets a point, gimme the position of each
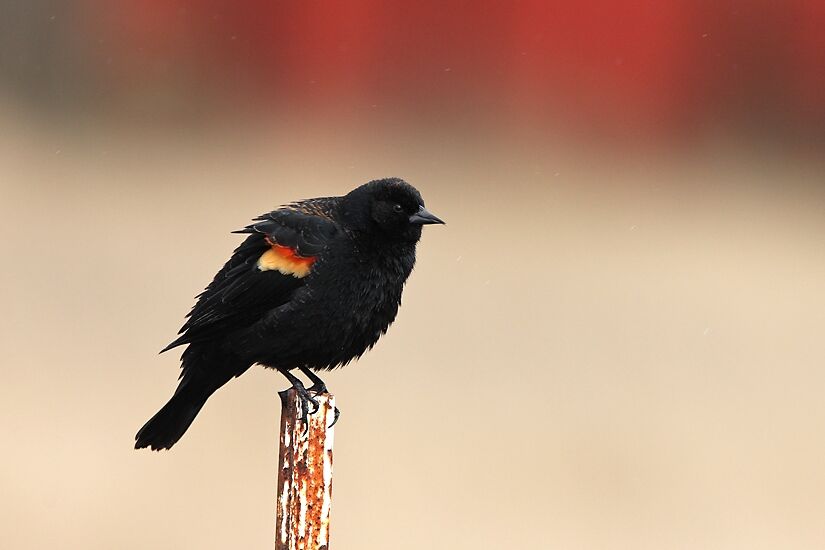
(360, 301)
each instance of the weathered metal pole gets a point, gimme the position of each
(304, 474)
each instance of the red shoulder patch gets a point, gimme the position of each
(286, 260)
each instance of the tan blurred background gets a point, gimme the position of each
(615, 343)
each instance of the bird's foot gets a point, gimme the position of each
(318, 385)
(306, 400)
(305, 396)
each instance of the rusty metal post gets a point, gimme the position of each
(304, 475)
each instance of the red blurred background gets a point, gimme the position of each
(623, 68)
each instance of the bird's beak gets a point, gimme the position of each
(424, 217)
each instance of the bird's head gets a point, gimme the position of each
(389, 208)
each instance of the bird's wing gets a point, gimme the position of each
(263, 272)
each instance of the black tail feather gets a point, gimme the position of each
(170, 423)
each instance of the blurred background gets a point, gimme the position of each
(616, 342)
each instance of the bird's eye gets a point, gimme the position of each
(397, 208)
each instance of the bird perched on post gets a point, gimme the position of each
(313, 286)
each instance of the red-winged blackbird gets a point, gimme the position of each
(313, 287)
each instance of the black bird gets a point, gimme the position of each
(313, 286)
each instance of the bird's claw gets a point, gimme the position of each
(307, 395)
(306, 400)
(334, 420)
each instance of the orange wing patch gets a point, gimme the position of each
(286, 260)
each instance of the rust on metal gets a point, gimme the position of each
(304, 474)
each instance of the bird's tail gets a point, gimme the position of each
(170, 423)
